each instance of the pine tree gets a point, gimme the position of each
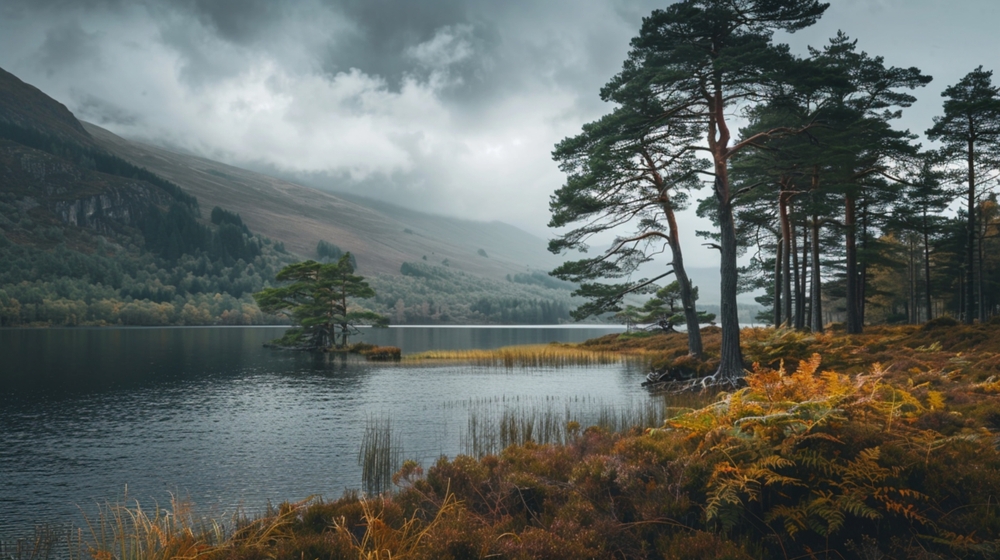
(626, 169)
(970, 133)
(701, 60)
(665, 309)
(320, 300)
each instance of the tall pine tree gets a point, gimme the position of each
(970, 133)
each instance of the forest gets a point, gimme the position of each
(818, 198)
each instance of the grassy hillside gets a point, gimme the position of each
(380, 235)
(25, 106)
(95, 229)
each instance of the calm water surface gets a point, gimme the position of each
(209, 415)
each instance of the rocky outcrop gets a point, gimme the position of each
(124, 205)
(73, 193)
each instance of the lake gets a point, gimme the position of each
(209, 415)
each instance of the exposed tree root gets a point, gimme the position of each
(683, 381)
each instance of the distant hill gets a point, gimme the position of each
(23, 105)
(382, 236)
(96, 229)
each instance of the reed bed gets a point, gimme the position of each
(380, 454)
(495, 424)
(47, 542)
(537, 355)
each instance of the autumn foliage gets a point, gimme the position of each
(875, 446)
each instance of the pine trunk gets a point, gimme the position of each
(687, 298)
(777, 283)
(981, 308)
(788, 244)
(970, 282)
(911, 277)
(853, 309)
(800, 302)
(731, 355)
(816, 286)
(863, 269)
(927, 272)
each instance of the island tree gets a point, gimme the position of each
(320, 299)
(665, 309)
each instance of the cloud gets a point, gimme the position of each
(448, 105)
(67, 45)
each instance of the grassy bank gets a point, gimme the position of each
(536, 355)
(882, 445)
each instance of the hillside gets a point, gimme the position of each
(381, 236)
(23, 105)
(96, 229)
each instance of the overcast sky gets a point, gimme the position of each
(447, 106)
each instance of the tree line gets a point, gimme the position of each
(835, 207)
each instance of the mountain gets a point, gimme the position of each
(382, 236)
(25, 106)
(97, 229)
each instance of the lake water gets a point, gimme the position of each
(210, 415)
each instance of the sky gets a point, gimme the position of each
(446, 106)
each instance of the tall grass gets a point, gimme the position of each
(494, 424)
(538, 355)
(124, 531)
(48, 541)
(380, 454)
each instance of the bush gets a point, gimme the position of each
(382, 354)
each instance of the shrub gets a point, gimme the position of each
(382, 354)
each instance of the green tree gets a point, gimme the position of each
(970, 133)
(628, 316)
(701, 60)
(665, 309)
(320, 300)
(919, 213)
(847, 98)
(626, 169)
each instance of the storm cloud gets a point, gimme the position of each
(448, 106)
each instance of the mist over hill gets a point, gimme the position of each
(380, 234)
(97, 229)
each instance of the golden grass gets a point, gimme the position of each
(536, 355)
(382, 541)
(129, 532)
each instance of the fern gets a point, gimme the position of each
(777, 443)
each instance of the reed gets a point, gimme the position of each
(380, 454)
(538, 355)
(47, 541)
(495, 424)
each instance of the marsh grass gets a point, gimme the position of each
(537, 355)
(380, 454)
(47, 542)
(497, 423)
(126, 531)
